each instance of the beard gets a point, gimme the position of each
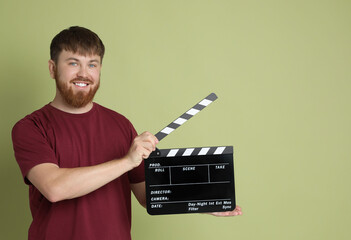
(79, 99)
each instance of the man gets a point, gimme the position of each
(80, 159)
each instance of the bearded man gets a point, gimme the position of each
(80, 160)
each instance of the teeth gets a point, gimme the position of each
(81, 84)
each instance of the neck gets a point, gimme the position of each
(61, 104)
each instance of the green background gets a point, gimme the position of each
(281, 70)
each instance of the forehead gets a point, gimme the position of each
(69, 55)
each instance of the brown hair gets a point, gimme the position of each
(78, 40)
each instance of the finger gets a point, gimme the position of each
(150, 136)
(145, 142)
(146, 134)
(224, 214)
(239, 212)
(147, 137)
(235, 212)
(155, 139)
(146, 154)
(149, 146)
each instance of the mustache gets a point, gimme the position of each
(82, 79)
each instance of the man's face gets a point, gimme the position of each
(77, 77)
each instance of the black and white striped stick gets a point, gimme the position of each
(200, 151)
(186, 116)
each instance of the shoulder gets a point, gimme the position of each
(35, 120)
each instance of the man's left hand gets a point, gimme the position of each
(236, 212)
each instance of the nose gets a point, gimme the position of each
(82, 72)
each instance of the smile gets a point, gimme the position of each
(81, 84)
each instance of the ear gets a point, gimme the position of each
(52, 68)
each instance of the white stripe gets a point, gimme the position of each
(172, 153)
(205, 102)
(192, 111)
(203, 151)
(188, 151)
(167, 130)
(180, 121)
(219, 150)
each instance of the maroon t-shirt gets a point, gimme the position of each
(69, 140)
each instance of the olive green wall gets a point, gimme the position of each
(281, 69)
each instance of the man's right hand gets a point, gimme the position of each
(141, 148)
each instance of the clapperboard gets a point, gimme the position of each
(189, 180)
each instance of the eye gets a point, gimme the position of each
(73, 63)
(92, 65)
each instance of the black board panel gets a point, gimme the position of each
(194, 183)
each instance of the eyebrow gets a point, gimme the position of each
(76, 59)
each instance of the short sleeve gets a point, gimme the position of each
(31, 146)
(137, 175)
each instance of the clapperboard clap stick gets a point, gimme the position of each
(189, 180)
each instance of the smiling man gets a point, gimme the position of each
(81, 160)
